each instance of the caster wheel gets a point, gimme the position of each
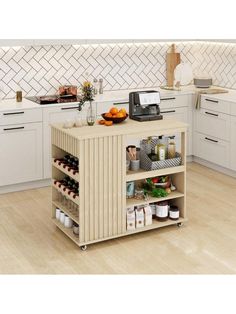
(84, 247)
(180, 224)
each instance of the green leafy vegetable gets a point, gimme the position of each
(159, 192)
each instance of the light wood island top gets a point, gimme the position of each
(128, 127)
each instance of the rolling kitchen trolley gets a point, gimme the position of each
(102, 177)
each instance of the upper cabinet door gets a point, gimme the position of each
(21, 153)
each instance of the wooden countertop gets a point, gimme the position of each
(128, 127)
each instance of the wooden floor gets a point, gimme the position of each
(206, 244)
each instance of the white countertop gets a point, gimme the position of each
(120, 95)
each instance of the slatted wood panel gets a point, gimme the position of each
(65, 141)
(102, 188)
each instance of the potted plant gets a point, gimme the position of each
(87, 93)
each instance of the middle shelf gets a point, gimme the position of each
(135, 202)
(143, 174)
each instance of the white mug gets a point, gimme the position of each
(58, 212)
(68, 223)
(62, 217)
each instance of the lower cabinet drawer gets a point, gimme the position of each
(212, 149)
(21, 116)
(213, 123)
(168, 101)
(212, 103)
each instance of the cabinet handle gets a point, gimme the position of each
(168, 111)
(168, 98)
(120, 103)
(12, 113)
(211, 100)
(68, 108)
(18, 128)
(212, 114)
(211, 140)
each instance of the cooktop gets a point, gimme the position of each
(54, 99)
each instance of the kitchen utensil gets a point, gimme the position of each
(183, 74)
(132, 152)
(68, 91)
(114, 120)
(134, 165)
(172, 60)
(201, 82)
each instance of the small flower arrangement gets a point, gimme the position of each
(87, 92)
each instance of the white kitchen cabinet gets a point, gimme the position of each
(215, 104)
(212, 149)
(20, 153)
(174, 101)
(233, 144)
(52, 115)
(213, 123)
(8, 117)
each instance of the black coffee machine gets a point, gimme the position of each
(144, 105)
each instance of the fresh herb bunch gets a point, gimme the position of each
(87, 93)
(159, 192)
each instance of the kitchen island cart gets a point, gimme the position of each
(101, 206)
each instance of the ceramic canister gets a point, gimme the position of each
(58, 212)
(68, 223)
(62, 217)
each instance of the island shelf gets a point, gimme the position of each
(102, 177)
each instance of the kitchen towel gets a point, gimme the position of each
(210, 91)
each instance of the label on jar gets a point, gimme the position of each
(162, 211)
(162, 153)
(174, 214)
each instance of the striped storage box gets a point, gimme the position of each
(147, 164)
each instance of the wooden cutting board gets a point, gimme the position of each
(172, 60)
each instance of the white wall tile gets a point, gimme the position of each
(41, 69)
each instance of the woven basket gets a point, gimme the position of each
(147, 164)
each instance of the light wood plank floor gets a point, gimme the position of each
(206, 244)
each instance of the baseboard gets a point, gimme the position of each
(25, 186)
(208, 164)
(189, 158)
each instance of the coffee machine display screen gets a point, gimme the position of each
(146, 99)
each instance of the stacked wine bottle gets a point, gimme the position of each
(69, 186)
(69, 162)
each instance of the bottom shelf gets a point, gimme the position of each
(156, 224)
(67, 231)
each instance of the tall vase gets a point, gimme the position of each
(91, 116)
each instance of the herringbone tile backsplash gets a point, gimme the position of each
(40, 70)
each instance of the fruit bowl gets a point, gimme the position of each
(113, 119)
